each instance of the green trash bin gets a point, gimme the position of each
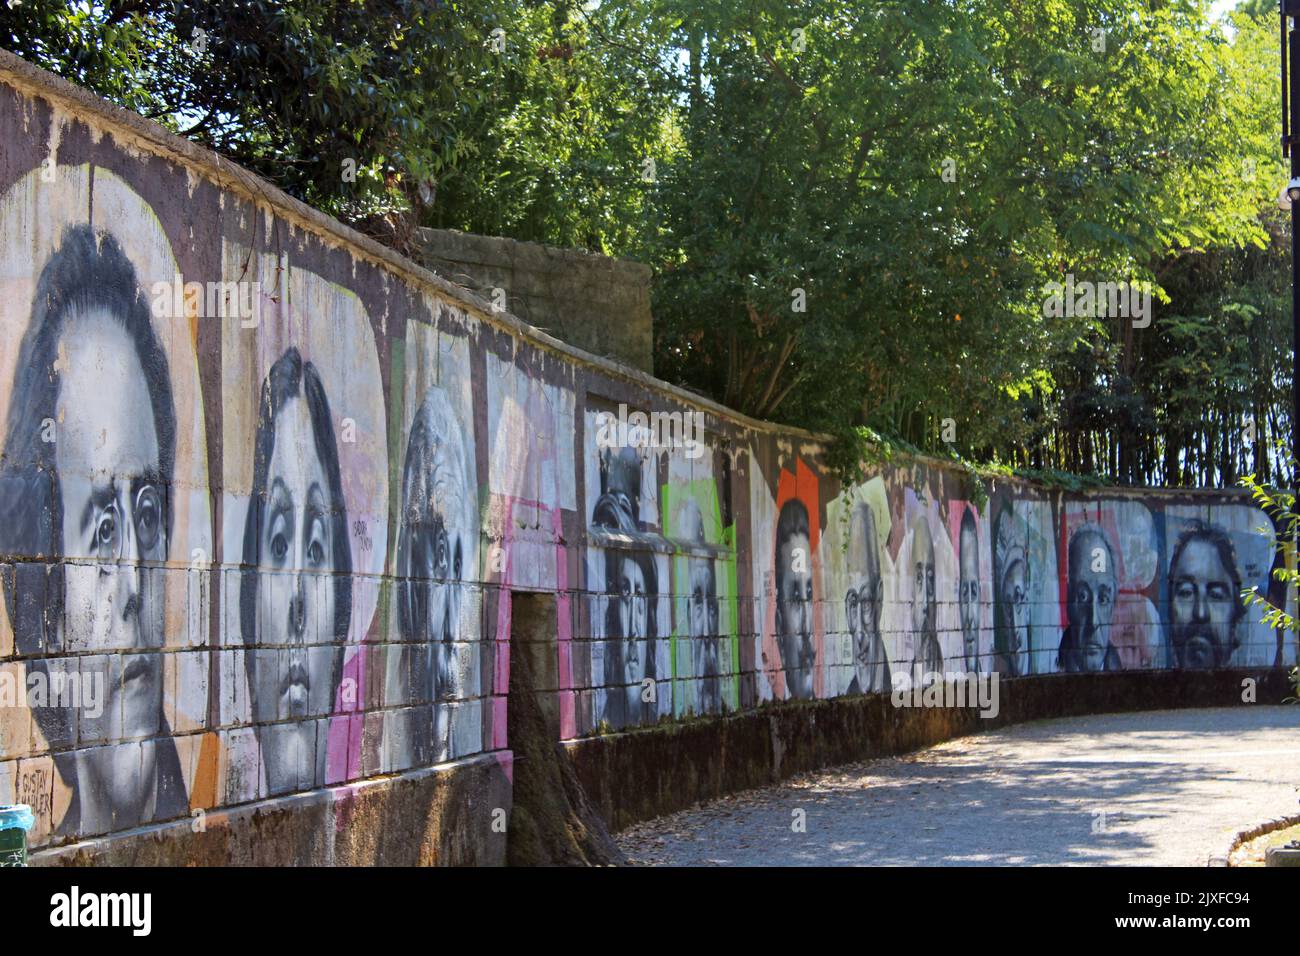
(15, 821)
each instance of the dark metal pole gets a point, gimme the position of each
(1290, 124)
(1294, 104)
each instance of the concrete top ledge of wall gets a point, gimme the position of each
(473, 247)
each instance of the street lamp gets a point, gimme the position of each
(1290, 193)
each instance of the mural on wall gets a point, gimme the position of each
(531, 447)
(787, 569)
(928, 564)
(625, 568)
(965, 526)
(433, 664)
(705, 651)
(1026, 605)
(1211, 553)
(858, 563)
(390, 467)
(1109, 555)
(310, 533)
(102, 457)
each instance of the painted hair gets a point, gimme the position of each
(967, 524)
(792, 520)
(1089, 527)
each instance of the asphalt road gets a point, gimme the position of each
(1154, 788)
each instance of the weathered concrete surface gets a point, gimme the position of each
(599, 304)
(439, 816)
(642, 774)
(1164, 788)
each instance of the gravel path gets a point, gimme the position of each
(1165, 788)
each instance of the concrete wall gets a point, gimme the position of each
(599, 304)
(269, 488)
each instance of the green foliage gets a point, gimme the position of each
(1280, 505)
(822, 169)
(388, 112)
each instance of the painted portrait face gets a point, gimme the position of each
(1015, 610)
(436, 568)
(862, 604)
(293, 676)
(1090, 602)
(113, 521)
(923, 589)
(702, 626)
(968, 595)
(1203, 606)
(794, 602)
(634, 619)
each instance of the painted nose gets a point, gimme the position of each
(1200, 608)
(129, 577)
(298, 608)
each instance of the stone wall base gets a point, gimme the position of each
(435, 816)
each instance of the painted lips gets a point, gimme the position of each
(295, 687)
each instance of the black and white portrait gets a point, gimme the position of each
(1013, 643)
(631, 595)
(296, 589)
(794, 598)
(1205, 610)
(88, 464)
(863, 603)
(968, 588)
(701, 610)
(436, 557)
(927, 654)
(1092, 590)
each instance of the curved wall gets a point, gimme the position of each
(266, 488)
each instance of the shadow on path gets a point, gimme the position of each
(1154, 788)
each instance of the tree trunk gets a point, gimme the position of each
(552, 823)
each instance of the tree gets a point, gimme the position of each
(921, 172)
(493, 116)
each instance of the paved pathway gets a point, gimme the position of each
(1155, 788)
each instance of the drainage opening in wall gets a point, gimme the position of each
(552, 821)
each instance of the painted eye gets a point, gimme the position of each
(315, 553)
(106, 533)
(441, 558)
(148, 517)
(279, 547)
